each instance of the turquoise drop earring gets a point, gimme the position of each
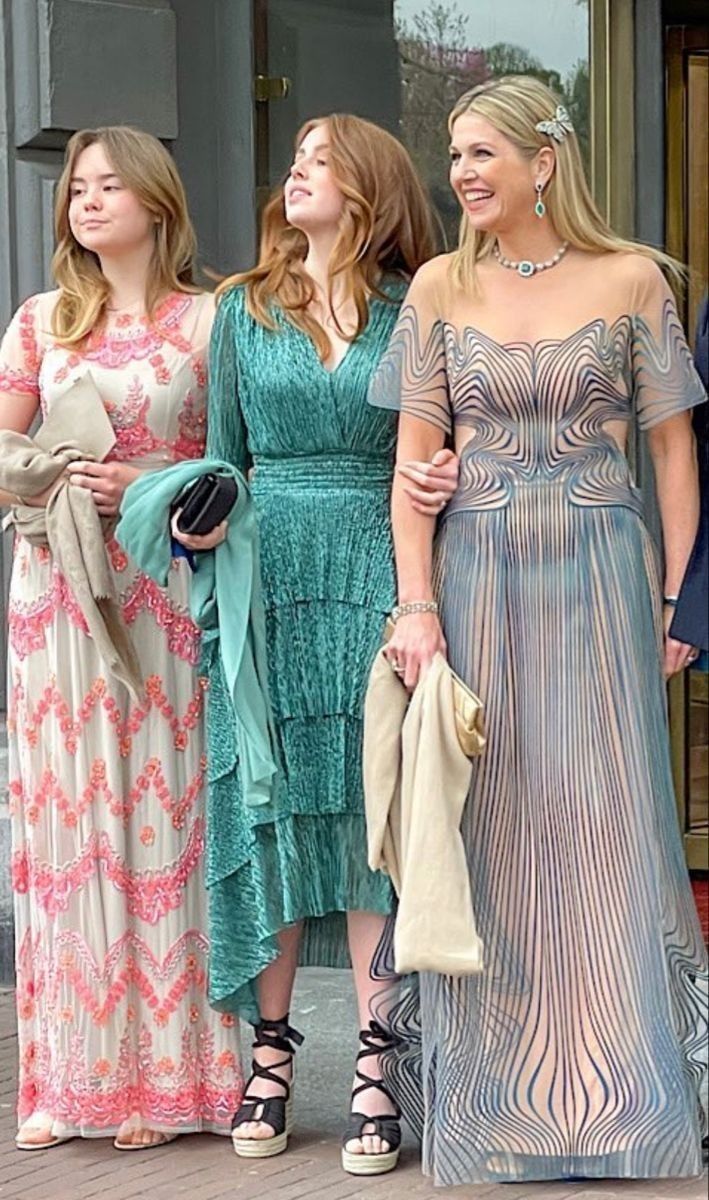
(539, 207)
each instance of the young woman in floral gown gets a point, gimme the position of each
(115, 1032)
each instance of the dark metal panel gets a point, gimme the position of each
(35, 180)
(340, 57)
(93, 62)
(215, 145)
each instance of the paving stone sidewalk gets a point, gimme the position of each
(204, 1167)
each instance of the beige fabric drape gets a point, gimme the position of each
(416, 779)
(74, 532)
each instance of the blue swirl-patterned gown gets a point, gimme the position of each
(579, 1049)
(321, 482)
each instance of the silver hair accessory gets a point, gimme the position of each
(558, 127)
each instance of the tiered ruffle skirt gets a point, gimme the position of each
(327, 569)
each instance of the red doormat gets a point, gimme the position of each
(700, 887)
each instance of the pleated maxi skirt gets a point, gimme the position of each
(580, 1048)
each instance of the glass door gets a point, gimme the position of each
(315, 57)
(444, 49)
(403, 63)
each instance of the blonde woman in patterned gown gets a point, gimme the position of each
(116, 1036)
(579, 1049)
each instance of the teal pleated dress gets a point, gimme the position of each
(322, 468)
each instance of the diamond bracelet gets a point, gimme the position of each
(414, 606)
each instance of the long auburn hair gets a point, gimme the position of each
(386, 228)
(514, 104)
(146, 168)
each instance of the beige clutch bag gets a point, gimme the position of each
(468, 709)
(469, 718)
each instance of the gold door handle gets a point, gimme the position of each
(268, 87)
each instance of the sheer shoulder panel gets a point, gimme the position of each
(665, 380)
(226, 432)
(202, 320)
(411, 376)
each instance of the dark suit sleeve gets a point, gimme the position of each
(691, 620)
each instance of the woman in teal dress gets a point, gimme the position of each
(295, 344)
(579, 1048)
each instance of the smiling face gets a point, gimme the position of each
(494, 183)
(313, 200)
(105, 216)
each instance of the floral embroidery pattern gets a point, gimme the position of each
(13, 379)
(71, 362)
(193, 429)
(51, 704)
(28, 621)
(136, 439)
(28, 338)
(203, 1088)
(200, 370)
(149, 894)
(103, 1089)
(121, 805)
(182, 634)
(71, 948)
(117, 347)
(99, 992)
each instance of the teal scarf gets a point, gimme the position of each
(225, 601)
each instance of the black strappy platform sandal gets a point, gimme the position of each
(276, 1111)
(386, 1127)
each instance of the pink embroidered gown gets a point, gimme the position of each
(106, 795)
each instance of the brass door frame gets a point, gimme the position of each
(681, 42)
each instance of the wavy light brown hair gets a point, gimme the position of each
(514, 104)
(386, 228)
(145, 167)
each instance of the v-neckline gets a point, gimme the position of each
(331, 371)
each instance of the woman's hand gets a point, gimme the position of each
(412, 646)
(198, 542)
(431, 484)
(678, 655)
(106, 481)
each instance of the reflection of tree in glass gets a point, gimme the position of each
(438, 63)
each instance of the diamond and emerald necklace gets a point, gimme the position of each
(525, 267)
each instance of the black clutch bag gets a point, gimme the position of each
(205, 503)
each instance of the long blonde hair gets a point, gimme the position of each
(146, 168)
(514, 104)
(386, 228)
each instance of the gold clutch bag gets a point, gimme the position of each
(468, 710)
(469, 718)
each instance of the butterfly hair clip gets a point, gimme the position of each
(559, 125)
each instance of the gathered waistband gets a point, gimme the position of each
(322, 470)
